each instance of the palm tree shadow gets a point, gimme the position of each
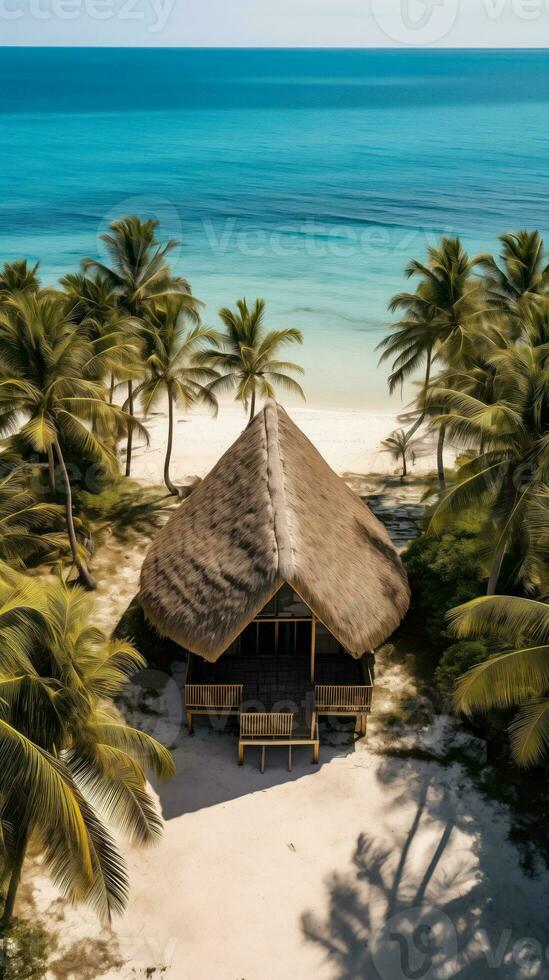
(406, 914)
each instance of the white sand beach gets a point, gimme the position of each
(350, 441)
(310, 874)
(291, 876)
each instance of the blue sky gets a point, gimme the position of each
(292, 23)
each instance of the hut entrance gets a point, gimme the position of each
(273, 638)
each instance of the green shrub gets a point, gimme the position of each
(443, 572)
(25, 956)
(456, 660)
(159, 652)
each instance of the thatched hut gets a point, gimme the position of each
(278, 580)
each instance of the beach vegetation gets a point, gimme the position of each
(487, 390)
(246, 358)
(401, 446)
(176, 366)
(18, 277)
(138, 273)
(46, 390)
(72, 773)
(24, 951)
(518, 672)
(31, 530)
(70, 769)
(456, 660)
(444, 570)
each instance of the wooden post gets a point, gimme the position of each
(361, 723)
(313, 645)
(262, 758)
(190, 723)
(240, 754)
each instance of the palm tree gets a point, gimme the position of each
(140, 276)
(399, 444)
(18, 277)
(94, 308)
(175, 368)
(517, 675)
(411, 343)
(502, 478)
(247, 359)
(523, 270)
(68, 765)
(44, 364)
(29, 529)
(442, 320)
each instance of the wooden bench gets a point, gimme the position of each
(268, 728)
(342, 699)
(212, 699)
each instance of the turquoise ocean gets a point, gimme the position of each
(307, 177)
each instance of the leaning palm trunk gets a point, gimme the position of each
(419, 421)
(495, 570)
(11, 895)
(80, 564)
(129, 442)
(167, 479)
(51, 469)
(440, 458)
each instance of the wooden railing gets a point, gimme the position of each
(265, 724)
(218, 697)
(343, 697)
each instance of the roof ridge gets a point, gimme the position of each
(277, 492)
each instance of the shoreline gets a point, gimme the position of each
(349, 440)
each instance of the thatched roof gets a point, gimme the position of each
(272, 511)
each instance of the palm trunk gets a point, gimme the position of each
(418, 422)
(80, 564)
(495, 570)
(13, 887)
(440, 457)
(51, 469)
(252, 407)
(111, 390)
(130, 431)
(404, 467)
(171, 487)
